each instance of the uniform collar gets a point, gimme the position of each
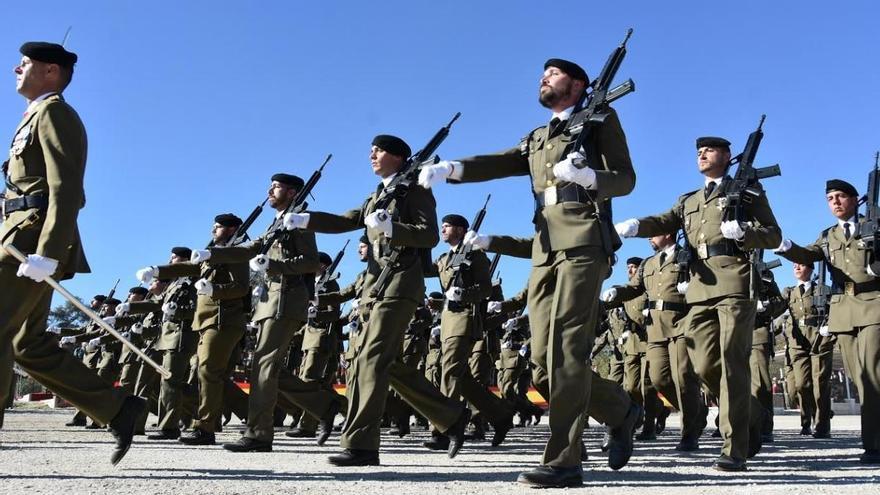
(716, 181)
(806, 285)
(32, 105)
(387, 180)
(563, 115)
(851, 222)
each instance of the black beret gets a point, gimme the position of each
(138, 290)
(364, 240)
(436, 295)
(712, 142)
(99, 298)
(393, 145)
(572, 69)
(635, 260)
(325, 258)
(163, 280)
(842, 186)
(227, 220)
(289, 180)
(112, 300)
(183, 252)
(50, 53)
(456, 220)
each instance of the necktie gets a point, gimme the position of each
(662, 258)
(556, 125)
(846, 232)
(709, 188)
(801, 287)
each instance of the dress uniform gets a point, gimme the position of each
(409, 225)
(44, 176)
(721, 315)
(854, 317)
(571, 252)
(770, 306)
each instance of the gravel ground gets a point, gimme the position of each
(40, 455)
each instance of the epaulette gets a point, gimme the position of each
(524, 142)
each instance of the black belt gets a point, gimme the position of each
(728, 248)
(25, 203)
(853, 288)
(812, 321)
(568, 192)
(668, 306)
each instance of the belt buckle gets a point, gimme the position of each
(802, 322)
(703, 250)
(551, 196)
(849, 288)
(660, 304)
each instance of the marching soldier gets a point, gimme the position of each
(44, 193)
(854, 317)
(177, 341)
(770, 305)
(127, 359)
(810, 354)
(411, 225)
(721, 315)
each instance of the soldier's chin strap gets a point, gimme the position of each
(30, 220)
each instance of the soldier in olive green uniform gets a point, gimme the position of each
(770, 305)
(670, 367)
(434, 358)
(810, 354)
(460, 328)
(721, 315)
(415, 347)
(571, 254)
(128, 360)
(287, 269)
(609, 335)
(177, 342)
(44, 192)
(854, 316)
(410, 225)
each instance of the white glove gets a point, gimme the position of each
(352, 327)
(682, 287)
(258, 291)
(293, 221)
(204, 288)
(355, 303)
(145, 275)
(523, 350)
(762, 306)
(493, 307)
(313, 312)
(169, 308)
(823, 331)
(784, 246)
(869, 271)
(609, 294)
(259, 263)
(512, 323)
(37, 268)
(54, 329)
(95, 342)
(200, 255)
(431, 175)
(379, 220)
(67, 340)
(476, 240)
(627, 228)
(623, 337)
(646, 312)
(568, 171)
(252, 326)
(453, 294)
(110, 320)
(731, 229)
(122, 309)
(435, 331)
(126, 335)
(137, 329)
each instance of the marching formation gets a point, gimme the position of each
(695, 324)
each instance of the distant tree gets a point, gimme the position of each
(67, 315)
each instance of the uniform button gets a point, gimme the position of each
(549, 146)
(702, 221)
(548, 165)
(549, 182)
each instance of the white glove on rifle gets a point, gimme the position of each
(259, 263)
(200, 255)
(169, 308)
(145, 275)
(510, 324)
(568, 170)
(204, 288)
(627, 228)
(824, 331)
(762, 306)
(258, 291)
(122, 309)
(379, 220)
(784, 246)
(137, 329)
(609, 294)
(293, 221)
(454, 294)
(682, 287)
(732, 229)
(110, 320)
(67, 340)
(95, 342)
(37, 268)
(623, 337)
(524, 350)
(477, 241)
(432, 175)
(493, 307)
(313, 312)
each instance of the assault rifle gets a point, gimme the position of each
(821, 294)
(240, 235)
(744, 186)
(329, 273)
(592, 108)
(461, 261)
(762, 269)
(398, 189)
(867, 229)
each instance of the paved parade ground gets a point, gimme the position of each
(40, 455)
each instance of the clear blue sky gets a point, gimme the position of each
(191, 106)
